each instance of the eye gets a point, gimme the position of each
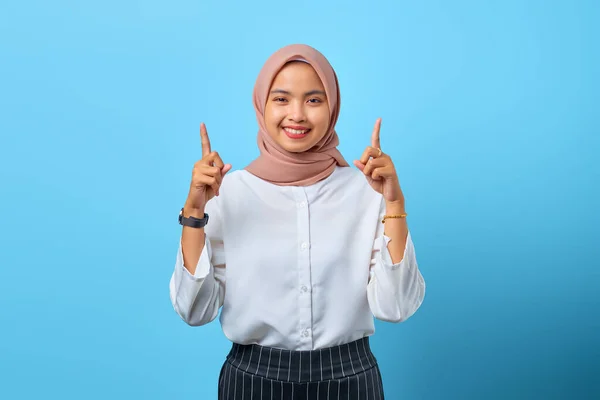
(315, 101)
(279, 99)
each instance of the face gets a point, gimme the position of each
(297, 112)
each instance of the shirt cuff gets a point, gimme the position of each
(203, 266)
(384, 253)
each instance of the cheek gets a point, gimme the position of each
(272, 121)
(273, 116)
(321, 118)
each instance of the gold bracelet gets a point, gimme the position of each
(393, 216)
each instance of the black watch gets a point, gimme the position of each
(192, 221)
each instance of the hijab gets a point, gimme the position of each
(277, 165)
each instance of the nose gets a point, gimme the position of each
(297, 113)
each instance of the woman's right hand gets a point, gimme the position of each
(207, 175)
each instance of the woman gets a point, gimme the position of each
(301, 251)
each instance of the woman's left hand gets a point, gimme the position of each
(380, 171)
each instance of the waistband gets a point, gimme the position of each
(305, 365)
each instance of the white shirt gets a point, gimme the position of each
(297, 267)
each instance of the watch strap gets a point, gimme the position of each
(193, 221)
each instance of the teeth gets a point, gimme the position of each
(296, 132)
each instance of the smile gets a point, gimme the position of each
(295, 133)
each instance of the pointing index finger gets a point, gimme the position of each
(204, 140)
(375, 142)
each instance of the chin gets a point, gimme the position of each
(294, 146)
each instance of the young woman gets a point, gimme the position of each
(300, 250)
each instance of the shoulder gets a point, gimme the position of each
(348, 178)
(231, 179)
(241, 184)
(349, 175)
(347, 181)
(240, 180)
(231, 188)
(351, 184)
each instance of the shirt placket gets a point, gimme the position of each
(304, 287)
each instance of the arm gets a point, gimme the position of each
(397, 230)
(396, 287)
(192, 240)
(197, 286)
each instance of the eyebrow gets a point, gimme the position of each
(305, 94)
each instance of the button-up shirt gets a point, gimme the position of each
(297, 267)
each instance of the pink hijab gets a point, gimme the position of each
(275, 164)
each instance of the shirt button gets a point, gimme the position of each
(304, 246)
(304, 288)
(305, 333)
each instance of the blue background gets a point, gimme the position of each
(490, 112)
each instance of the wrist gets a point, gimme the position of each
(395, 207)
(196, 212)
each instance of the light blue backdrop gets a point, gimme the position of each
(490, 111)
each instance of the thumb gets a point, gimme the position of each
(359, 165)
(226, 169)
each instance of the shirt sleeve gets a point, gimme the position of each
(395, 291)
(197, 298)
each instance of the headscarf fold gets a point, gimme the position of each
(277, 165)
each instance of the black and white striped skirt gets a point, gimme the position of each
(348, 371)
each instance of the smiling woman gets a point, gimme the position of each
(296, 252)
(297, 112)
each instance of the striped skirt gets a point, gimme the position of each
(348, 371)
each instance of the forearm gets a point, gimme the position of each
(192, 241)
(397, 230)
